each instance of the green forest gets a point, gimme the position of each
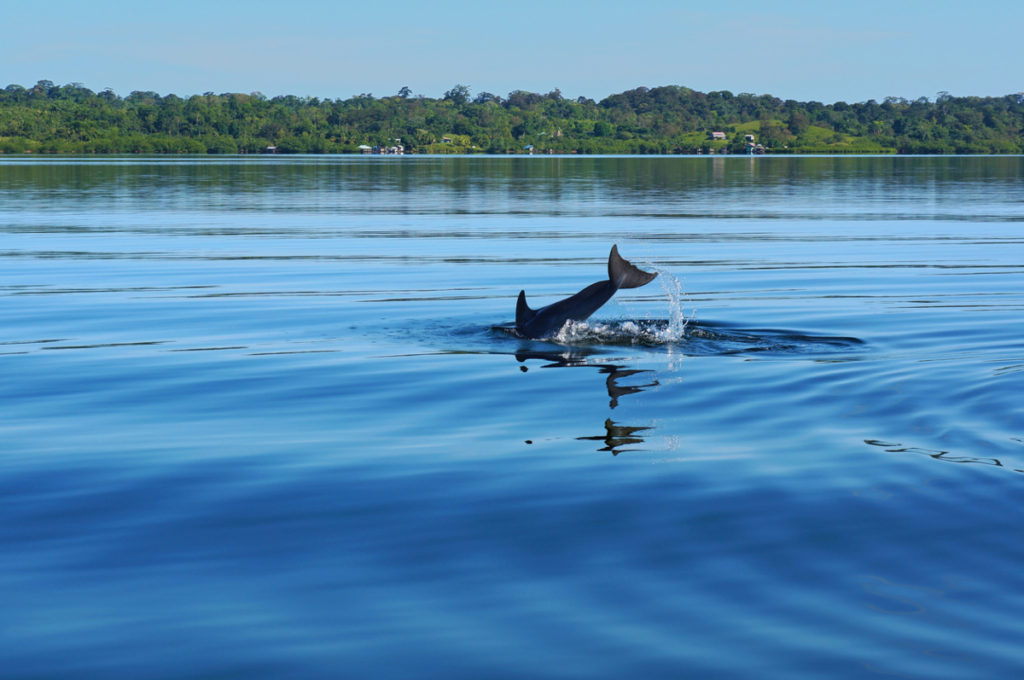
(49, 118)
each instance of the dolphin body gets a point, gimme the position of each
(546, 321)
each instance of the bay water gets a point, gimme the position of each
(261, 417)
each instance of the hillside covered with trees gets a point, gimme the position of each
(48, 118)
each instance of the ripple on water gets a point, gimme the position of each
(275, 435)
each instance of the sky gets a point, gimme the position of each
(809, 51)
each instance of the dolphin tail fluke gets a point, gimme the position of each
(523, 311)
(621, 273)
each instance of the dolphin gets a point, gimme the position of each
(546, 321)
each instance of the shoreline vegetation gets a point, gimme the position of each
(72, 119)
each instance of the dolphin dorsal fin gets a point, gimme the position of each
(523, 311)
(623, 274)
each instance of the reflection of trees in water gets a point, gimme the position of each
(616, 435)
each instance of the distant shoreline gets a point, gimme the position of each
(49, 119)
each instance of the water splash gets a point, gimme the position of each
(677, 319)
(639, 331)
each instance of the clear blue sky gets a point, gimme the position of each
(824, 51)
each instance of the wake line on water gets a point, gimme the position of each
(698, 339)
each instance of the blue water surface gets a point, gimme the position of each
(259, 418)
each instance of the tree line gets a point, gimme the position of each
(49, 118)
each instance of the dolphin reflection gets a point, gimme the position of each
(616, 435)
(578, 357)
